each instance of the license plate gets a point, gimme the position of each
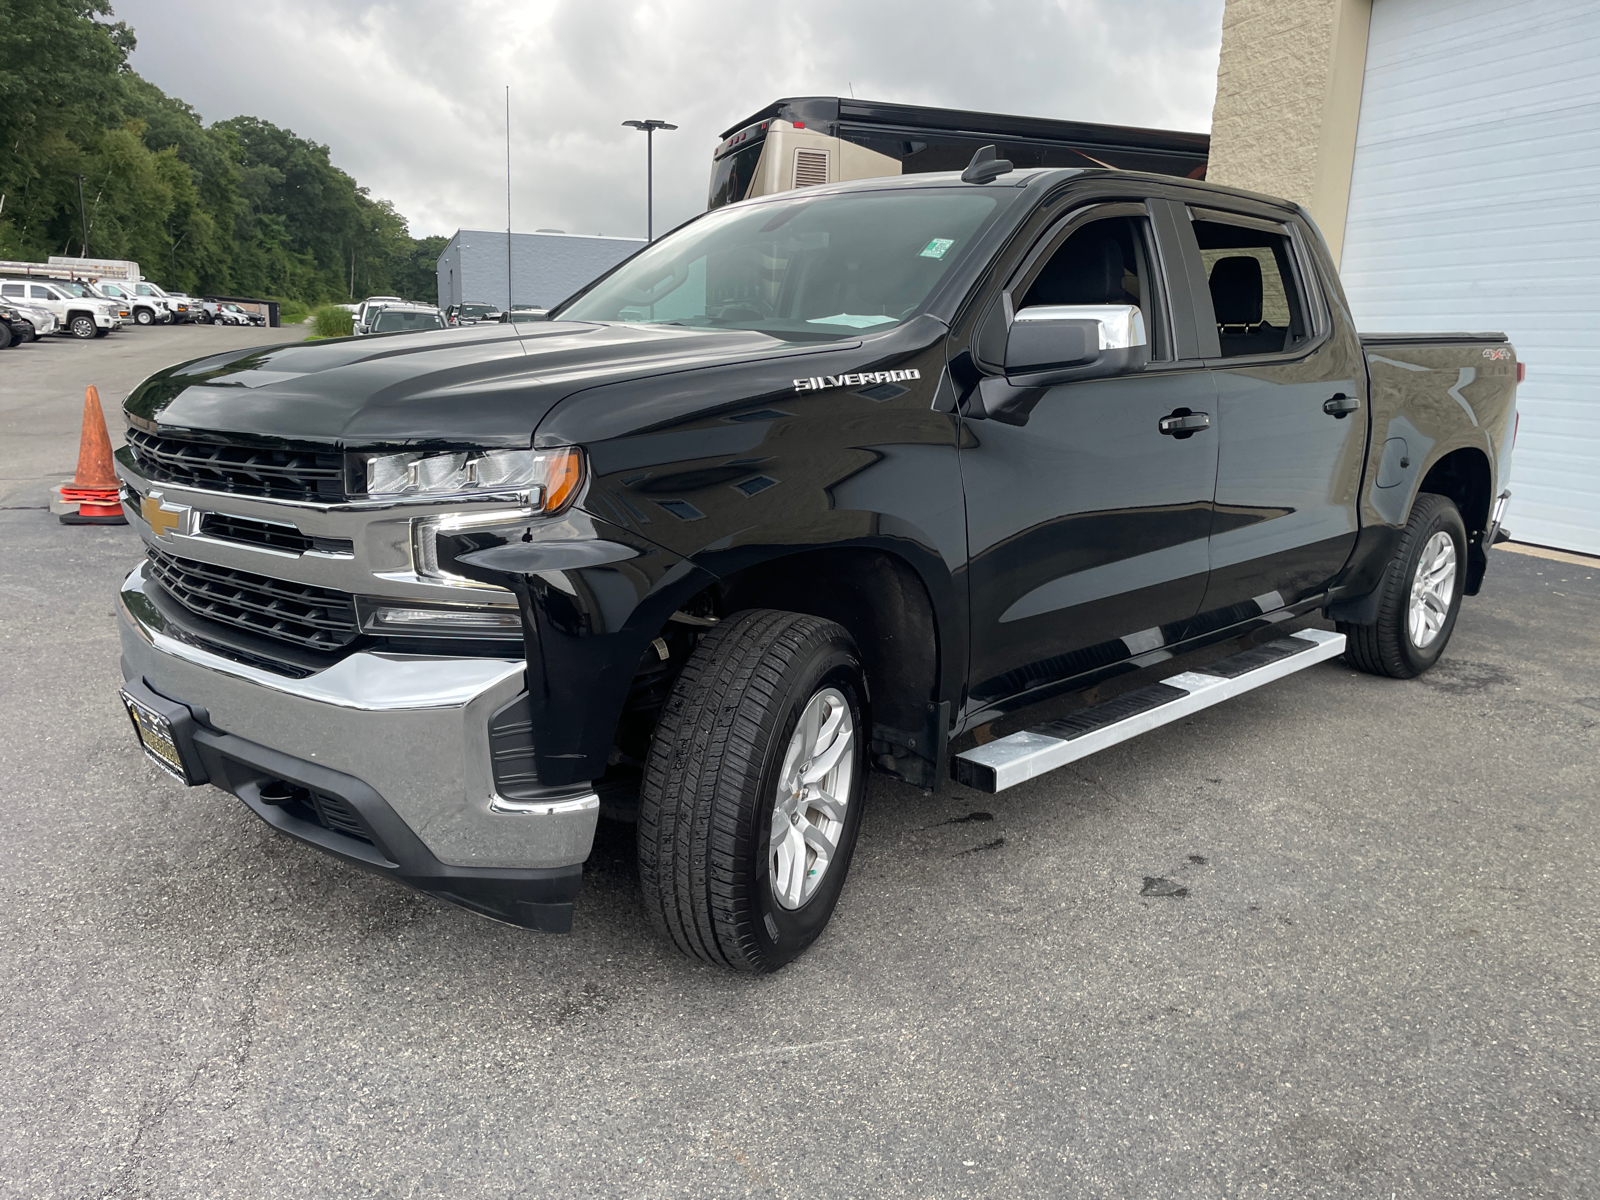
(155, 735)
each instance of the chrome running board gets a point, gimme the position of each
(1008, 761)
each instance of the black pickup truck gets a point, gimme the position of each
(813, 486)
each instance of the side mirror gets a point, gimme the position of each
(1062, 343)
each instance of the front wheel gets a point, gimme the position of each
(144, 317)
(1419, 597)
(753, 790)
(82, 327)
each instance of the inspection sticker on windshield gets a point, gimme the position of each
(937, 247)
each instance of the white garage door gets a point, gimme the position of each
(1475, 204)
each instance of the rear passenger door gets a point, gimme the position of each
(1291, 419)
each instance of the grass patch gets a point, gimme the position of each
(331, 321)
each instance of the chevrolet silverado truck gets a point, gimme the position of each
(817, 485)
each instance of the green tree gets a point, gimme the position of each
(237, 207)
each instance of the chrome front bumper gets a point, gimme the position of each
(414, 728)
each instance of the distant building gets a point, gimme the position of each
(546, 267)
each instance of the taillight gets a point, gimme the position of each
(1522, 371)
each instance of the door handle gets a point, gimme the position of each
(1341, 406)
(1183, 423)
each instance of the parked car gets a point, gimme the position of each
(522, 313)
(87, 291)
(471, 313)
(81, 316)
(401, 318)
(15, 328)
(40, 322)
(226, 312)
(185, 308)
(360, 317)
(145, 307)
(813, 486)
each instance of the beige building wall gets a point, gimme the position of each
(1288, 98)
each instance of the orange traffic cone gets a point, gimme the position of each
(94, 489)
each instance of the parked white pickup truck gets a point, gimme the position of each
(81, 316)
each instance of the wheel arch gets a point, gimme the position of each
(888, 609)
(1464, 477)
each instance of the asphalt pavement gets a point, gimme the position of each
(1336, 938)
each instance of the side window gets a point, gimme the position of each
(12, 289)
(42, 293)
(1105, 262)
(1258, 305)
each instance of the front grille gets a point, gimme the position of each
(316, 617)
(248, 531)
(240, 469)
(254, 533)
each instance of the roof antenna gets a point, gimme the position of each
(986, 164)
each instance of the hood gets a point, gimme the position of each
(479, 385)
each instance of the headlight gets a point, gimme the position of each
(549, 477)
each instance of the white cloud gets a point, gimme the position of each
(409, 94)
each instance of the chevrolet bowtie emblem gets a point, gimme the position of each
(164, 521)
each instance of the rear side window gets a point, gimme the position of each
(1254, 293)
(12, 289)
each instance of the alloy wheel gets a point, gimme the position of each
(1433, 588)
(813, 792)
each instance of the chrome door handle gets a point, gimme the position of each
(1340, 406)
(1183, 423)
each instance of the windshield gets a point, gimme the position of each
(823, 266)
(394, 321)
(149, 289)
(477, 310)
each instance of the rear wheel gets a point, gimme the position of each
(753, 790)
(1419, 598)
(82, 326)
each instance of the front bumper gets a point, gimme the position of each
(401, 739)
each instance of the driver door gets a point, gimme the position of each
(1088, 520)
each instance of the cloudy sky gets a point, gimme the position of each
(409, 94)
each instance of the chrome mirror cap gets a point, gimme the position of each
(1121, 325)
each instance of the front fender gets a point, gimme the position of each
(593, 596)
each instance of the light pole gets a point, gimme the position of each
(649, 128)
(84, 218)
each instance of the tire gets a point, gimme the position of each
(710, 798)
(82, 327)
(6, 336)
(143, 316)
(101, 330)
(1415, 620)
